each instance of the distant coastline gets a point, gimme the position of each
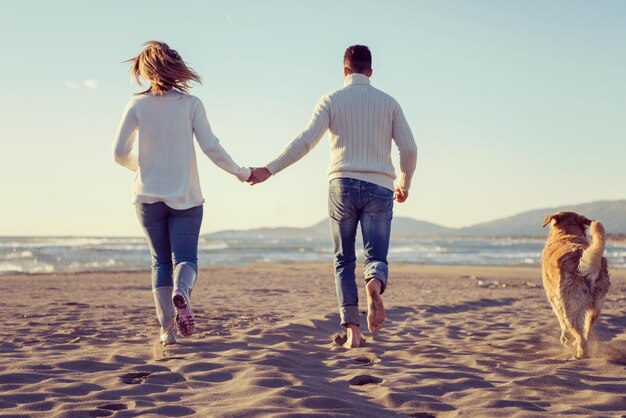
(523, 225)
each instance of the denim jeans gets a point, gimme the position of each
(172, 237)
(351, 201)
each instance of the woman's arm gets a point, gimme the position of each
(125, 137)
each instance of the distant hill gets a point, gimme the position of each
(611, 213)
(400, 227)
(411, 227)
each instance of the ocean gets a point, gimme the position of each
(72, 254)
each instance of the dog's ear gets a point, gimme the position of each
(549, 219)
(583, 221)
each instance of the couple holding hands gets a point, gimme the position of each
(362, 120)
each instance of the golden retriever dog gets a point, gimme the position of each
(575, 275)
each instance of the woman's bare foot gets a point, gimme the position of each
(375, 307)
(354, 337)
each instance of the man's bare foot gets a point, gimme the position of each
(354, 337)
(375, 307)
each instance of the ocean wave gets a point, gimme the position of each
(437, 249)
(62, 254)
(18, 255)
(213, 246)
(507, 255)
(11, 268)
(26, 268)
(93, 265)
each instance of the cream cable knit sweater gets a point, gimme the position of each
(362, 121)
(165, 165)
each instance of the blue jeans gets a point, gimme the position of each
(351, 201)
(172, 237)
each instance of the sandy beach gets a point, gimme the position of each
(458, 341)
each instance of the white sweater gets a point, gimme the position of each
(362, 121)
(165, 165)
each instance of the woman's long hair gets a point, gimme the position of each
(163, 68)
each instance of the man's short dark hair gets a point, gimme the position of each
(358, 58)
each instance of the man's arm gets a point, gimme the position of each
(403, 137)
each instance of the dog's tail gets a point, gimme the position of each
(591, 261)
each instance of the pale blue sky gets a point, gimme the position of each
(514, 105)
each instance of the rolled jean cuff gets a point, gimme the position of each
(349, 315)
(377, 270)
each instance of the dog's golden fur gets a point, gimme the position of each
(575, 275)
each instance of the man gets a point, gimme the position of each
(362, 122)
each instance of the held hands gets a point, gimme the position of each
(258, 175)
(400, 195)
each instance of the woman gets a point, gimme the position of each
(166, 190)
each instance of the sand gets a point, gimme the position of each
(458, 341)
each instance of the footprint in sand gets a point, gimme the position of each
(367, 359)
(364, 379)
(99, 413)
(339, 339)
(135, 378)
(113, 407)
